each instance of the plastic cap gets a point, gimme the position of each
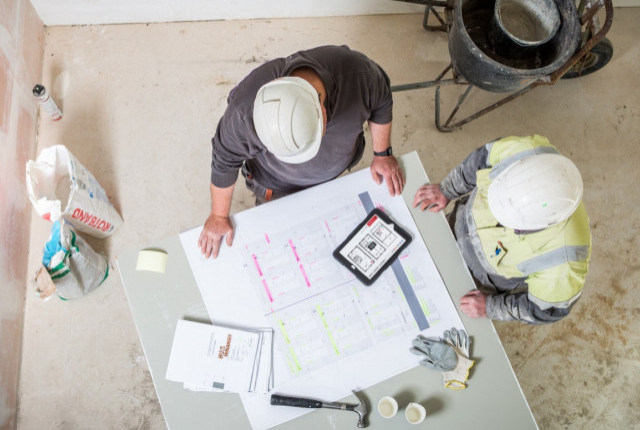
(38, 90)
(536, 192)
(287, 117)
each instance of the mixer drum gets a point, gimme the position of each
(476, 58)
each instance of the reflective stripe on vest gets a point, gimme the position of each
(554, 258)
(542, 304)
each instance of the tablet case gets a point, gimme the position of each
(372, 246)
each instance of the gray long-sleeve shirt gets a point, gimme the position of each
(357, 91)
(511, 301)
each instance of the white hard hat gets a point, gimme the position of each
(536, 192)
(288, 119)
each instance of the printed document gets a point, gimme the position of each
(332, 333)
(207, 357)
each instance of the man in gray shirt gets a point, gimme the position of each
(296, 122)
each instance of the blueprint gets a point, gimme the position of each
(332, 333)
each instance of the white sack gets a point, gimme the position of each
(60, 187)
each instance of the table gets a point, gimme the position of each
(493, 398)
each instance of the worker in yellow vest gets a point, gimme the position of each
(521, 227)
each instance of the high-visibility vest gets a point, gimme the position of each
(554, 261)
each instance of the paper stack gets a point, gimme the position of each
(208, 357)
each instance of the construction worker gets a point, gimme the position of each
(296, 122)
(521, 227)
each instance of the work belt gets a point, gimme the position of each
(262, 193)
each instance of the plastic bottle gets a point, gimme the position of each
(47, 102)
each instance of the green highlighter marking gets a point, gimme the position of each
(333, 342)
(412, 278)
(292, 361)
(284, 331)
(324, 322)
(326, 326)
(424, 306)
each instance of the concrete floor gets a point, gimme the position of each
(141, 103)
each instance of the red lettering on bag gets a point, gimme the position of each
(91, 220)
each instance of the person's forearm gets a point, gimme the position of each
(462, 179)
(380, 135)
(518, 307)
(221, 200)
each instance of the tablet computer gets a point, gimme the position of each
(374, 244)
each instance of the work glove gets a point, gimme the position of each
(438, 354)
(460, 342)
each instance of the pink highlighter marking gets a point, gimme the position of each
(255, 261)
(304, 274)
(264, 282)
(328, 228)
(293, 248)
(266, 236)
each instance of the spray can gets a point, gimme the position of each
(47, 102)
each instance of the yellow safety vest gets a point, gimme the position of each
(554, 261)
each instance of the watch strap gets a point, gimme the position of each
(386, 153)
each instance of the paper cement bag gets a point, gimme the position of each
(73, 268)
(60, 187)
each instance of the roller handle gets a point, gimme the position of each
(298, 402)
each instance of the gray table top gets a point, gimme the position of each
(493, 398)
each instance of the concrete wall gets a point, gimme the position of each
(21, 51)
(67, 12)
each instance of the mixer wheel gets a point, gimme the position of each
(595, 59)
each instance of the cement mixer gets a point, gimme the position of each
(514, 46)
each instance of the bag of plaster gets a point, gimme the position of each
(61, 188)
(70, 267)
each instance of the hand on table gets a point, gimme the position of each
(430, 197)
(388, 169)
(215, 228)
(473, 304)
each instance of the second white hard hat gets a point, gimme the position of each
(288, 119)
(536, 192)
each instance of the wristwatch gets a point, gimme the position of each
(387, 152)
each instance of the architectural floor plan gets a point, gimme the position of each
(332, 333)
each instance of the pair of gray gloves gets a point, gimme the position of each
(450, 355)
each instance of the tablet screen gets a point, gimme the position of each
(372, 246)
